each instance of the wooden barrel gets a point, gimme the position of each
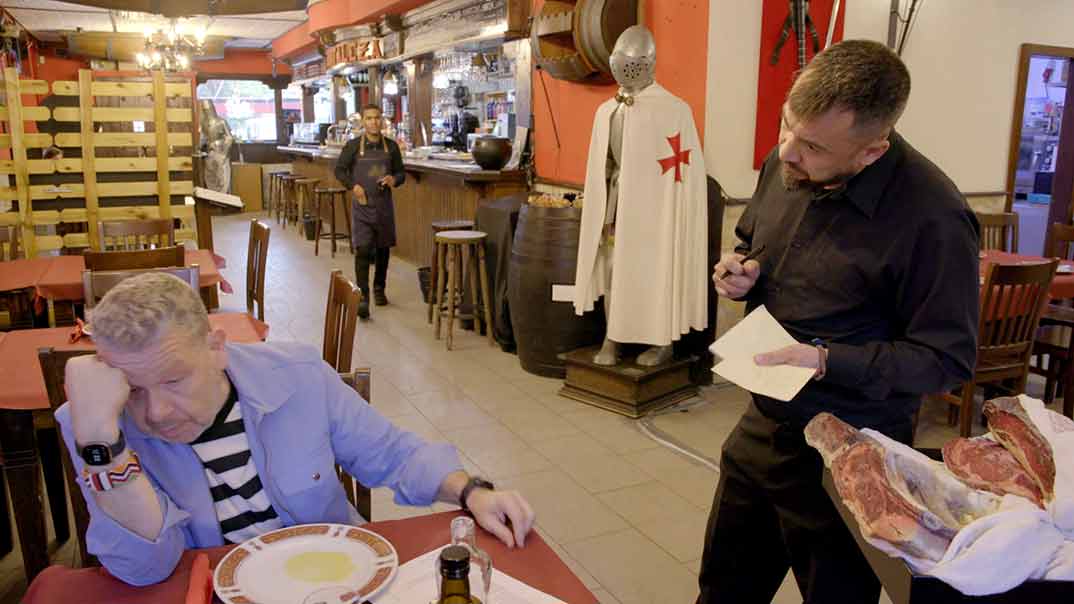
(544, 254)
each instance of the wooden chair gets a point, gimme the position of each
(95, 284)
(1012, 299)
(53, 363)
(999, 231)
(161, 257)
(340, 321)
(128, 234)
(256, 259)
(9, 243)
(358, 494)
(1053, 348)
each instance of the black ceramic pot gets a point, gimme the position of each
(491, 152)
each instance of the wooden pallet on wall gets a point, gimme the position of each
(132, 157)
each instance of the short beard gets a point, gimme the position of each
(792, 182)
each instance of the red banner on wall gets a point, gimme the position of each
(774, 81)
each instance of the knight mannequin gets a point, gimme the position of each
(645, 216)
(216, 141)
(633, 64)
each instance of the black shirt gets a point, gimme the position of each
(350, 150)
(884, 271)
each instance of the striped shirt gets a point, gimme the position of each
(241, 504)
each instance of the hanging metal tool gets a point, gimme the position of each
(801, 22)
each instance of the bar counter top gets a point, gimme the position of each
(467, 171)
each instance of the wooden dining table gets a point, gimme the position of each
(535, 564)
(1062, 284)
(23, 398)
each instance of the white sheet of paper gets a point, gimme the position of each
(758, 333)
(416, 583)
(562, 293)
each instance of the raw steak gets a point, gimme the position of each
(1012, 427)
(896, 494)
(983, 463)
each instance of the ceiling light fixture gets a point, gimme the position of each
(170, 50)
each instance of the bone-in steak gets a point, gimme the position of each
(1011, 425)
(983, 463)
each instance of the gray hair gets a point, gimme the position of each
(139, 309)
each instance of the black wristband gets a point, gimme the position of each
(475, 482)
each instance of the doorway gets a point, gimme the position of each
(1040, 176)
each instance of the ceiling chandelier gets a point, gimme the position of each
(170, 49)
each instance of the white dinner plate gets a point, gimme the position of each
(307, 564)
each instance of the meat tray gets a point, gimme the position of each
(904, 587)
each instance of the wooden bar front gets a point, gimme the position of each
(432, 191)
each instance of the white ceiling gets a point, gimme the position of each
(48, 20)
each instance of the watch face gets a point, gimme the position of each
(96, 455)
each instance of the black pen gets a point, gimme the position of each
(752, 255)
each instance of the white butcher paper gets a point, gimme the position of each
(759, 333)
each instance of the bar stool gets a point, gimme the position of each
(451, 245)
(304, 196)
(287, 198)
(274, 190)
(326, 210)
(438, 227)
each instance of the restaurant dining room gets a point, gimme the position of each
(536, 301)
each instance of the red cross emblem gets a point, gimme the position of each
(677, 159)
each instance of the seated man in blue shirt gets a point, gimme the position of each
(186, 441)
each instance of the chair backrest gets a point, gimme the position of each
(999, 231)
(256, 258)
(340, 321)
(95, 284)
(358, 494)
(1012, 299)
(129, 234)
(53, 366)
(1060, 241)
(161, 257)
(9, 242)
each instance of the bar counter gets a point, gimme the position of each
(434, 190)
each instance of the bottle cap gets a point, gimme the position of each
(455, 559)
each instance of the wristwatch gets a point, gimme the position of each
(102, 454)
(475, 482)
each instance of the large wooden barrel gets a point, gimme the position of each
(544, 254)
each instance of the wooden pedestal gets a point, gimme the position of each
(627, 388)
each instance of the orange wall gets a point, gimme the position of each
(681, 31)
(245, 62)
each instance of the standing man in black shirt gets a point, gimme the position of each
(370, 166)
(870, 261)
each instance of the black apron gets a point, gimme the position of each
(373, 224)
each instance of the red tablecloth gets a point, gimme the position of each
(19, 274)
(63, 278)
(23, 387)
(1062, 283)
(535, 564)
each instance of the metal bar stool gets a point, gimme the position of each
(304, 195)
(450, 278)
(438, 227)
(326, 210)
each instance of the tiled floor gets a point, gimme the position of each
(626, 514)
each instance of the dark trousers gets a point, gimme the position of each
(363, 257)
(771, 514)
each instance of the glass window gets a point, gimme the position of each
(292, 104)
(248, 106)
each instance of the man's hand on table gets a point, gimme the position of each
(493, 509)
(97, 394)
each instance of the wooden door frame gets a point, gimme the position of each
(1026, 52)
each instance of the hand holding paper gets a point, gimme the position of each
(760, 334)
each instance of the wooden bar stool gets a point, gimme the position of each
(450, 278)
(274, 190)
(304, 196)
(326, 210)
(285, 208)
(438, 227)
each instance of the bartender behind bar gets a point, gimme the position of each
(370, 165)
